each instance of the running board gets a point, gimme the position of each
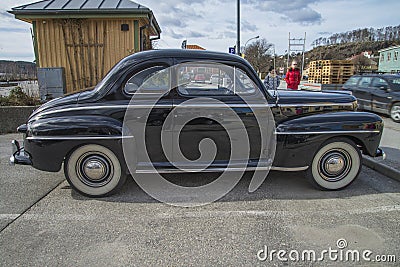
(284, 169)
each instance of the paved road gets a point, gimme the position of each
(130, 228)
(22, 186)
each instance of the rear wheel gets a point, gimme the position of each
(94, 171)
(336, 164)
(395, 112)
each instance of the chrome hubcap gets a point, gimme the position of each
(395, 113)
(94, 170)
(334, 165)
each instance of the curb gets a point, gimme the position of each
(382, 168)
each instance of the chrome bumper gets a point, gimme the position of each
(19, 156)
(380, 153)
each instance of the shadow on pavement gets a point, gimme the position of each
(278, 185)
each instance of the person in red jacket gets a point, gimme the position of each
(293, 77)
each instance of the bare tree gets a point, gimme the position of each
(361, 63)
(259, 55)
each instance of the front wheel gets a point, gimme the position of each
(94, 171)
(395, 112)
(335, 165)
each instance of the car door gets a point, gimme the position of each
(363, 93)
(150, 103)
(205, 112)
(380, 95)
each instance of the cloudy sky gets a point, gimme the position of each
(212, 23)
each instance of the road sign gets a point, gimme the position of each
(232, 50)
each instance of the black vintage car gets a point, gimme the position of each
(377, 92)
(316, 132)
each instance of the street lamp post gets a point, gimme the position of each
(250, 40)
(238, 28)
(274, 57)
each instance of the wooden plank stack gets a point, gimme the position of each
(330, 71)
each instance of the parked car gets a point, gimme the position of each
(215, 79)
(377, 92)
(200, 78)
(316, 132)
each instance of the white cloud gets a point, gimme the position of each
(212, 23)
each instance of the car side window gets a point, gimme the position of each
(205, 79)
(352, 81)
(150, 80)
(380, 83)
(365, 81)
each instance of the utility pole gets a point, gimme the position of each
(238, 29)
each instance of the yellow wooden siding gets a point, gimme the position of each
(86, 48)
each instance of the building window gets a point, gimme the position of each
(396, 55)
(382, 57)
(389, 56)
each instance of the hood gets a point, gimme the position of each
(67, 100)
(291, 97)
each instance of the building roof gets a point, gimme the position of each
(59, 8)
(389, 48)
(194, 47)
(47, 6)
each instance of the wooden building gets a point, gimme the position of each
(87, 37)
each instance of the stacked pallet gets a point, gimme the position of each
(330, 71)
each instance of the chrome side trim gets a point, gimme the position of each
(327, 132)
(153, 106)
(316, 105)
(113, 137)
(165, 171)
(197, 105)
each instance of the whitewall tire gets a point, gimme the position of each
(335, 165)
(94, 171)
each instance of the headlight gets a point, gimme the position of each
(355, 105)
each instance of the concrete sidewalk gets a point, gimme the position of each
(390, 143)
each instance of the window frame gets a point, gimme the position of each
(141, 69)
(365, 77)
(378, 78)
(234, 67)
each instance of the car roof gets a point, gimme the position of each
(378, 75)
(186, 53)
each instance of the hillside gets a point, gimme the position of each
(347, 50)
(17, 70)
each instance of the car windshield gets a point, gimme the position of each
(394, 83)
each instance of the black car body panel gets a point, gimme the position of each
(375, 92)
(304, 120)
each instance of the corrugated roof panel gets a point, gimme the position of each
(74, 4)
(109, 4)
(38, 5)
(129, 4)
(56, 4)
(92, 4)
